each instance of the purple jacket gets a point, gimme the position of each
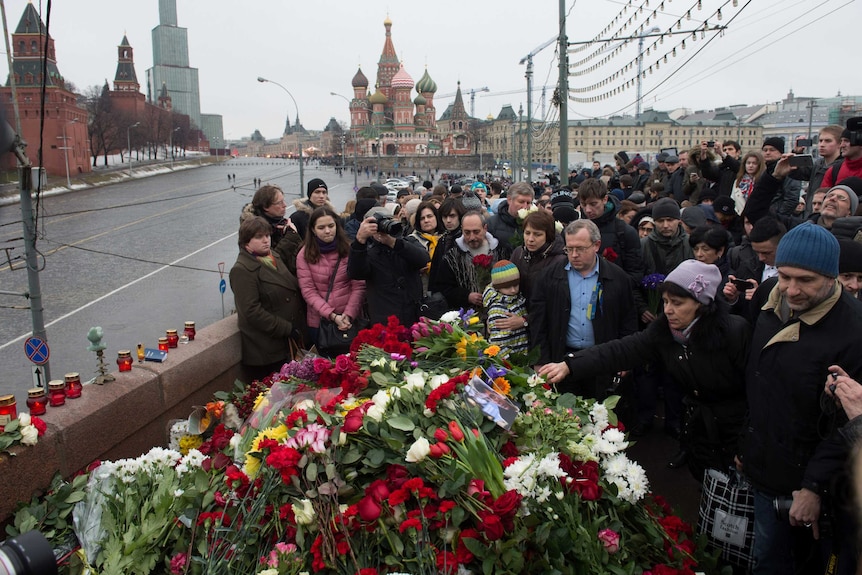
(347, 295)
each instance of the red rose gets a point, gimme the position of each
(343, 363)
(369, 509)
(507, 503)
(610, 255)
(40, 425)
(490, 525)
(378, 490)
(397, 475)
(352, 423)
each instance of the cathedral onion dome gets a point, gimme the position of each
(402, 79)
(490, 117)
(359, 80)
(420, 100)
(387, 22)
(377, 98)
(426, 84)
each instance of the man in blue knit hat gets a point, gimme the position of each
(792, 451)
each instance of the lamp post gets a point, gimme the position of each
(171, 144)
(355, 169)
(66, 153)
(129, 143)
(299, 145)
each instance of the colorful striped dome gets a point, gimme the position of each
(402, 79)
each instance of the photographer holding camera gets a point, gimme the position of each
(851, 150)
(390, 266)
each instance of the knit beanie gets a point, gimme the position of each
(850, 259)
(411, 206)
(313, 185)
(692, 216)
(562, 195)
(809, 247)
(471, 201)
(775, 142)
(504, 274)
(697, 278)
(854, 199)
(665, 208)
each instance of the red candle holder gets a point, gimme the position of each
(73, 385)
(124, 360)
(37, 401)
(56, 392)
(189, 330)
(8, 410)
(173, 337)
(163, 344)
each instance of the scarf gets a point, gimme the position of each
(682, 336)
(432, 242)
(267, 260)
(746, 185)
(326, 247)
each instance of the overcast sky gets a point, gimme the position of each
(314, 47)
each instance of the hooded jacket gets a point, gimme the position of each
(302, 213)
(502, 225)
(622, 239)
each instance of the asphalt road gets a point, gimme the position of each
(135, 258)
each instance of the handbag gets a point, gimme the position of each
(726, 516)
(330, 339)
(433, 305)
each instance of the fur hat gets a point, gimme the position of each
(809, 247)
(314, 184)
(697, 278)
(505, 274)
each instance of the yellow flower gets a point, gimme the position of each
(501, 386)
(189, 442)
(252, 463)
(259, 401)
(492, 350)
(473, 320)
(461, 348)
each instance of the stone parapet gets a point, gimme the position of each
(124, 418)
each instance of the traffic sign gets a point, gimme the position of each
(37, 350)
(222, 286)
(39, 376)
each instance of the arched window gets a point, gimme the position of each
(34, 46)
(21, 46)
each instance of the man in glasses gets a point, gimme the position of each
(578, 303)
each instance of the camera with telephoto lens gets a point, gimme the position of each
(388, 225)
(854, 131)
(782, 505)
(27, 554)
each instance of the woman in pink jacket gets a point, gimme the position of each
(326, 245)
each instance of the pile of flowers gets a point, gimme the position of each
(386, 460)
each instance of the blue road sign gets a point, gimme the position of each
(222, 286)
(37, 350)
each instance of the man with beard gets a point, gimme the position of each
(792, 450)
(460, 279)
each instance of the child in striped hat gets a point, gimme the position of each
(507, 309)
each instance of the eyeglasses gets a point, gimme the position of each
(281, 203)
(580, 250)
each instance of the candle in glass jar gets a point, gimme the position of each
(56, 392)
(73, 385)
(163, 344)
(189, 330)
(173, 338)
(37, 401)
(124, 360)
(140, 352)
(8, 410)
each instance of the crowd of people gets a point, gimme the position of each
(724, 282)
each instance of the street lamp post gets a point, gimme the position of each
(299, 144)
(66, 153)
(129, 143)
(355, 169)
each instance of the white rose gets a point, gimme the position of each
(450, 316)
(268, 572)
(376, 412)
(418, 451)
(305, 404)
(24, 419)
(415, 381)
(29, 435)
(522, 213)
(304, 512)
(381, 399)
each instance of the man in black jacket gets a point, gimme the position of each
(792, 450)
(724, 173)
(579, 303)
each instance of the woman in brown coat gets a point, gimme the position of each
(268, 301)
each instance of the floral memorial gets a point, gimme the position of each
(422, 451)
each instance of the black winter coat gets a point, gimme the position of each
(623, 239)
(550, 306)
(502, 225)
(723, 174)
(792, 438)
(710, 371)
(531, 264)
(393, 284)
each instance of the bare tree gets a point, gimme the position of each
(101, 128)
